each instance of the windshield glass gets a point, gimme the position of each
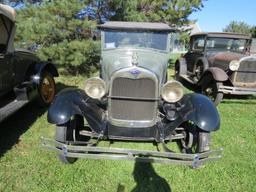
(226, 44)
(152, 40)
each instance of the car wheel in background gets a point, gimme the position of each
(46, 89)
(210, 89)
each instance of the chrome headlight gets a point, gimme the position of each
(234, 65)
(172, 91)
(95, 88)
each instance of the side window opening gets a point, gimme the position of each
(198, 43)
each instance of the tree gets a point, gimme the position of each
(53, 29)
(238, 27)
(173, 12)
(253, 31)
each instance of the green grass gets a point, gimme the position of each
(26, 166)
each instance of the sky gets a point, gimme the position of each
(217, 14)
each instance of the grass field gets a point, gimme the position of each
(25, 166)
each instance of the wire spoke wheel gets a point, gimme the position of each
(211, 91)
(198, 70)
(47, 89)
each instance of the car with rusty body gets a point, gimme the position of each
(23, 76)
(218, 64)
(133, 101)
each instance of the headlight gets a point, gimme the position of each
(172, 91)
(95, 88)
(234, 65)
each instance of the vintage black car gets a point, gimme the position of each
(22, 75)
(218, 64)
(133, 101)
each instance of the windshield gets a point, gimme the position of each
(152, 40)
(226, 44)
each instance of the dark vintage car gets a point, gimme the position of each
(22, 75)
(133, 101)
(218, 64)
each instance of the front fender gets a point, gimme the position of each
(216, 73)
(43, 66)
(200, 110)
(70, 102)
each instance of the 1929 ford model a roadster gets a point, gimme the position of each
(218, 64)
(23, 76)
(133, 101)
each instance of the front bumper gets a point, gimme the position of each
(237, 90)
(91, 152)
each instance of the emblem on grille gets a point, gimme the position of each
(135, 72)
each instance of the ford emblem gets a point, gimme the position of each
(135, 72)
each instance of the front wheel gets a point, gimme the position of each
(211, 91)
(69, 132)
(195, 140)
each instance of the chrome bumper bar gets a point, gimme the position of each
(237, 90)
(90, 152)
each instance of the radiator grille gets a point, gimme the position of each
(246, 72)
(134, 108)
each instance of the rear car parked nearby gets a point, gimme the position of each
(132, 100)
(218, 64)
(23, 76)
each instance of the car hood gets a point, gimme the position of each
(224, 57)
(114, 60)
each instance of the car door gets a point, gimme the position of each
(6, 75)
(197, 44)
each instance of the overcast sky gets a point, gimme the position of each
(217, 14)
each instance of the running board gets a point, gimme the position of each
(186, 77)
(11, 108)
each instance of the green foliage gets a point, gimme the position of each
(253, 31)
(53, 28)
(238, 27)
(174, 12)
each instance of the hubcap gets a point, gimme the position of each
(47, 89)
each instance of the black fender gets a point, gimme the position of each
(39, 68)
(70, 102)
(215, 73)
(201, 111)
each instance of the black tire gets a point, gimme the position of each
(195, 141)
(69, 132)
(46, 89)
(177, 71)
(210, 89)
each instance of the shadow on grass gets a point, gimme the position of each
(147, 179)
(18, 123)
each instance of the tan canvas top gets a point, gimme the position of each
(7, 11)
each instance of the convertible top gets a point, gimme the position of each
(8, 12)
(136, 26)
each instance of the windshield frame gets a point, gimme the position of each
(103, 32)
